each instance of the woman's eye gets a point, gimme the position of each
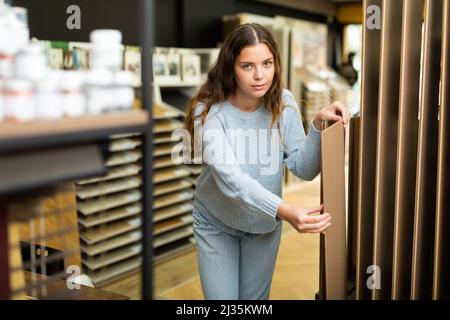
(246, 67)
(267, 63)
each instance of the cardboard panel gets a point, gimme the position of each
(333, 184)
(367, 152)
(441, 279)
(407, 148)
(424, 217)
(388, 105)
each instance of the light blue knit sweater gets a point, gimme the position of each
(242, 182)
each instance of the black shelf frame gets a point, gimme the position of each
(146, 26)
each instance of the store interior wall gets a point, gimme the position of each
(179, 23)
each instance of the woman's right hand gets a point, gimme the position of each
(303, 220)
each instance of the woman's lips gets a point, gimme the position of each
(259, 87)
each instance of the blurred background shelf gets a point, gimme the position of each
(19, 136)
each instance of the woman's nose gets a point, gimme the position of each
(258, 74)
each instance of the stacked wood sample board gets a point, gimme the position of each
(173, 187)
(109, 209)
(402, 211)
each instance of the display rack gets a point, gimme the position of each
(56, 152)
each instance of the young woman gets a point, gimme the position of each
(249, 127)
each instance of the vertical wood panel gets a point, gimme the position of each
(387, 145)
(4, 249)
(333, 175)
(407, 148)
(367, 151)
(425, 208)
(352, 196)
(441, 279)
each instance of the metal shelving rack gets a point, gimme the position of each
(79, 138)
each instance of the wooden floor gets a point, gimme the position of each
(296, 272)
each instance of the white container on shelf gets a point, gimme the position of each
(2, 102)
(106, 50)
(19, 102)
(73, 98)
(49, 97)
(97, 88)
(123, 90)
(6, 45)
(19, 29)
(31, 63)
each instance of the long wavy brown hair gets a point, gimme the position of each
(221, 82)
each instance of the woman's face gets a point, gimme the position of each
(254, 70)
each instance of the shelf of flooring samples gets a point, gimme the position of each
(115, 172)
(107, 231)
(171, 174)
(115, 270)
(110, 215)
(108, 187)
(162, 162)
(124, 144)
(111, 244)
(173, 198)
(171, 236)
(103, 260)
(171, 186)
(172, 211)
(101, 204)
(166, 149)
(172, 183)
(171, 224)
(164, 137)
(109, 210)
(124, 157)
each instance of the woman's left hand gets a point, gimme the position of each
(335, 112)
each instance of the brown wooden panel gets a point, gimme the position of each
(387, 145)
(333, 175)
(352, 196)
(4, 256)
(441, 279)
(424, 217)
(407, 148)
(367, 152)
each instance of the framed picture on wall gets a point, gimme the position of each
(191, 67)
(160, 67)
(173, 68)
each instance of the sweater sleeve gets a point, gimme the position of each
(302, 153)
(235, 184)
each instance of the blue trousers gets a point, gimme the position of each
(234, 265)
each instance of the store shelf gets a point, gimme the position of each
(114, 173)
(108, 187)
(172, 211)
(21, 136)
(111, 244)
(172, 224)
(110, 215)
(94, 263)
(104, 232)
